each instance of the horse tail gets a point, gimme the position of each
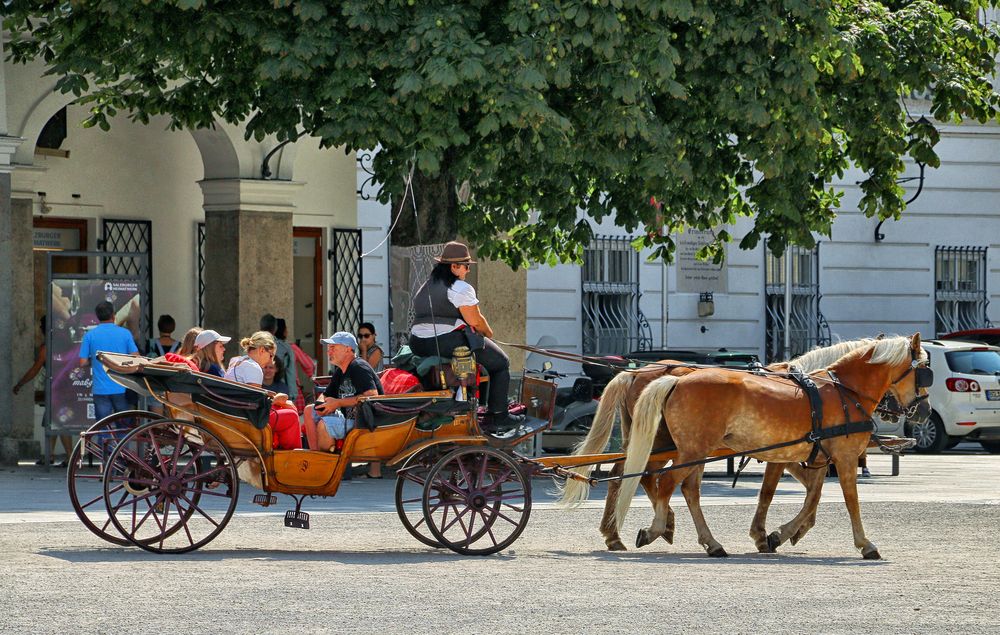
(646, 419)
(612, 401)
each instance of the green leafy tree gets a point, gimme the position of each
(518, 115)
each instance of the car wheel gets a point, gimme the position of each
(993, 447)
(930, 434)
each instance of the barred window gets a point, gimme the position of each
(959, 289)
(612, 321)
(807, 325)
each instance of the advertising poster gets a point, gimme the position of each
(71, 405)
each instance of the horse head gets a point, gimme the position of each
(910, 385)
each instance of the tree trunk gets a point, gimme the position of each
(437, 211)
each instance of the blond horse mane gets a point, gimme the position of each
(889, 350)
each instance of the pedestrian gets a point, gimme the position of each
(40, 365)
(165, 343)
(368, 349)
(283, 351)
(109, 396)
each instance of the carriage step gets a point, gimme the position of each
(297, 520)
(265, 500)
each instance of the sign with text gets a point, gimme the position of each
(698, 276)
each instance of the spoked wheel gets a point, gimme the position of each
(180, 486)
(410, 480)
(85, 476)
(476, 500)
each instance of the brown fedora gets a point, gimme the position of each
(456, 253)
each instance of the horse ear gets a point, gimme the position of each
(915, 342)
(880, 336)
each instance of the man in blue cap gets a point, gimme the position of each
(350, 378)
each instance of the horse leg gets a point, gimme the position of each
(758, 528)
(847, 472)
(795, 528)
(663, 516)
(810, 477)
(608, 529)
(691, 488)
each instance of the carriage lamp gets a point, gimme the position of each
(463, 364)
(706, 304)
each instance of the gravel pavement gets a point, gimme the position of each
(358, 571)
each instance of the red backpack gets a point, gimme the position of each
(396, 381)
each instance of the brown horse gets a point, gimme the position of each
(720, 407)
(618, 400)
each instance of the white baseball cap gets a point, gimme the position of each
(208, 337)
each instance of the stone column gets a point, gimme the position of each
(503, 298)
(16, 327)
(248, 254)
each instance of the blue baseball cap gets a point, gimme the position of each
(344, 338)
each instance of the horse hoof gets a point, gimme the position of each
(773, 541)
(717, 552)
(616, 545)
(873, 554)
(642, 538)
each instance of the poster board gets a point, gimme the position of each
(71, 301)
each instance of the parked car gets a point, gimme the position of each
(965, 397)
(986, 336)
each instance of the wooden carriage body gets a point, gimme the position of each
(237, 414)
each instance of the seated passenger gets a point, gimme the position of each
(209, 349)
(248, 369)
(274, 377)
(350, 378)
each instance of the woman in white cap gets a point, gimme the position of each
(445, 310)
(209, 349)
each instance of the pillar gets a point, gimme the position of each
(16, 327)
(503, 294)
(248, 254)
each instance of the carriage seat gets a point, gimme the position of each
(429, 369)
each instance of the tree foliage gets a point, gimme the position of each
(543, 108)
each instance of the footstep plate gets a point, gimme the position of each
(296, 520)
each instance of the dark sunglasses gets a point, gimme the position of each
(364, 335)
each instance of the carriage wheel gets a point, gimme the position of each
(180, 486)
(476, 500)
(410, 480)
(85, 476)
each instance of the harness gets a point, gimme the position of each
(817, 434)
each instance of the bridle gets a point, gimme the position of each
(923, 378)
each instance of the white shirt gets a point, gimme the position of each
(246, 371)
(460, 293)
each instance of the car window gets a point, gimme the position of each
(974, 362)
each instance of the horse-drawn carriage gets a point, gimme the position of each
(170, 483)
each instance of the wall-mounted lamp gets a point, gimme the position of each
(43, 207)
(706, 304)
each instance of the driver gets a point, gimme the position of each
(446, 316)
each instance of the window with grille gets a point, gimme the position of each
(125, 237)
(807, 326)
(959, 289)
(201, 272)
(612, 321)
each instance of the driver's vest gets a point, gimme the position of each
(432, 306)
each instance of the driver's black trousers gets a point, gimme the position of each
(491, 357)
